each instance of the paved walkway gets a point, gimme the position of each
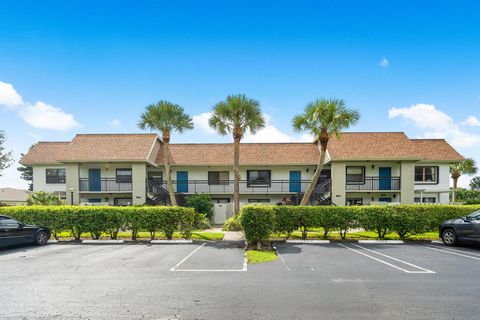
(229, 235)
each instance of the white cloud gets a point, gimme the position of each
(384, 63)
(115, 123)
(9, 97)
(269, 133)
(38, 115)
(45, 116)
(435, 124)
(201, 121)
(472, 121)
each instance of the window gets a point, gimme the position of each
(7, 222)
(218, 177)
(354, 201)
(55, 175)
(260, 178)
(156, 176)
(427, 175)
(425, 200)
(122, 202)
(124, 175)
(258, 200)
(220, 200)
(355, 175)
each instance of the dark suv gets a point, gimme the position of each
(463, 229)
(14, 232)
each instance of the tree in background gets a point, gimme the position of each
(466, 167)
(237, 114)
(44, 199)
(5, 157)
(323, 118)
(26, 172)
(475, 183)
(166, 117)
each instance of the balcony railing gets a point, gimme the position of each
(246, 187)
(104, 185)
(375, 183)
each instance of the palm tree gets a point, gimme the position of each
(323, 118)
(467, 166)
(166, 117)
(237, 114)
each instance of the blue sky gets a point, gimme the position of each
(71, 67)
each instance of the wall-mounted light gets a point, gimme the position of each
(373, 199)
(373, 166)
(394, 195)
(308, 170)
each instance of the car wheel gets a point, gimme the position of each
(449, 237)
(41, 238)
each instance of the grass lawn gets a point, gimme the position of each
(145, 235)
(255, 256)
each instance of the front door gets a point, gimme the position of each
(94, 181)
(295, 181)
(182, 181)
(385, 178)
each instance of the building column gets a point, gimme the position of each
(338, 183)
(139, 180)
(72, 181)
(407, 183)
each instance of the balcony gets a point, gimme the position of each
(375, 184)
(104, 185)
(226, 186)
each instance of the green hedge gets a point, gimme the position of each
(260, 221)
(102, 219)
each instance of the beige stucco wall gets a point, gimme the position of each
(40, 179)
(338, 183)
(407, 182)
(72, 172)
(139, 176)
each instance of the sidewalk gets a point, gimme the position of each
(228, 235)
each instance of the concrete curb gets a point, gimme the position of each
(382, 241)
(309, 241)
(52, 241)
(102, 241)
(171, 241)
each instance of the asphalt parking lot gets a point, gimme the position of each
(212, 281)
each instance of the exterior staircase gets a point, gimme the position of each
(321, 195)
(157, 195)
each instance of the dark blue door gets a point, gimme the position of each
(182, 181)
(295, 181)
(94, 183)
(385, 178)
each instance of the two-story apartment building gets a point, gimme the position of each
(360, 169)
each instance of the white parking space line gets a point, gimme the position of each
(456, 252)
(282, 259)
(421, 270)
(244, 267)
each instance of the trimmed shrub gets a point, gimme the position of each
(285, 219)
(202, 203)
(257, 222)
(103, 219)
(232, 224)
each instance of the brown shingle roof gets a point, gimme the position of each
(250, 154)
(105, 147)
(136, 147)
(371, 145)
(45, 152)
(436, 150)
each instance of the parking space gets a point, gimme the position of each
(214, 257)
(209, 281)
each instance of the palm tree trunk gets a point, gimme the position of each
(168, 173)
(313, 182)
(455, 181)
(236, 174)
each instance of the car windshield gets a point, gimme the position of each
(474, 215)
